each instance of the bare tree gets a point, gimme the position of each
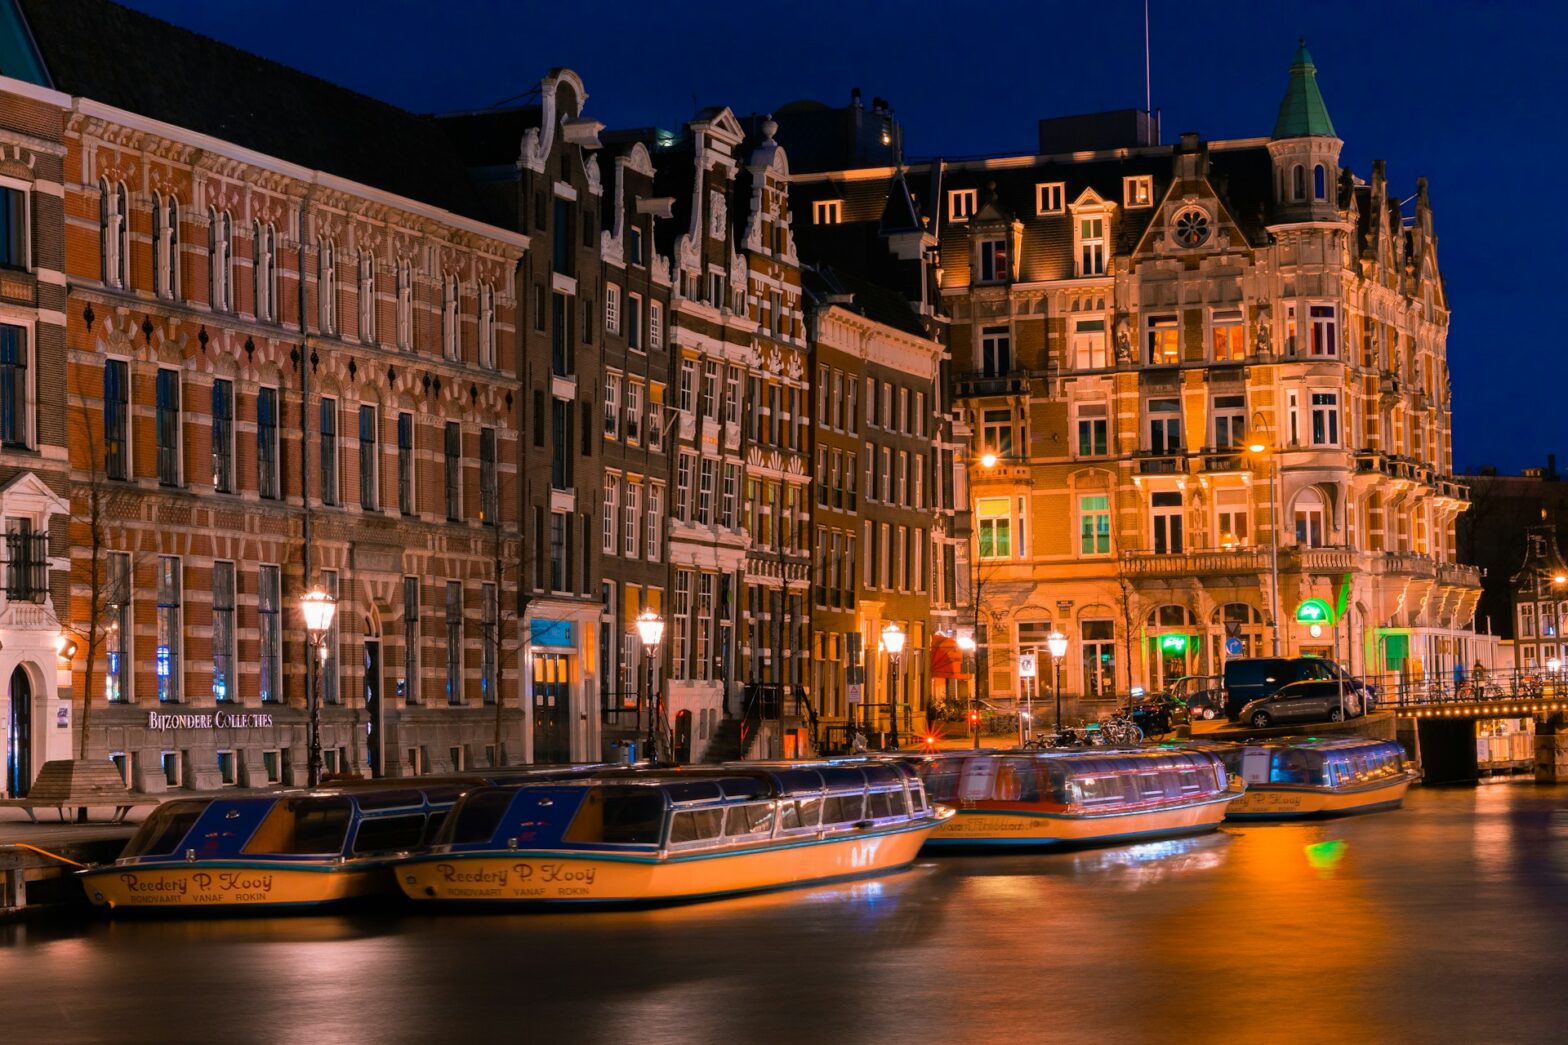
(1128, 598)
(509, 563)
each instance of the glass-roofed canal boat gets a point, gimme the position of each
(663, 836)
(1075, 797)
(1298, 777)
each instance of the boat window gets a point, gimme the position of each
(162, 831)
(1289, 767)
(941, 777)
(1057, 774)
(753, 818)
(696, 825)
(1017, 780)
(843, 809)
(303, 827)
(879, 805)
(744, 787)
(793, 780)
(618, 816)
(979, 773)
(809, 812)
(917, 799)
(389, 799)
(1102, 790)
(693, 791)
(883, 774)
(843, 779)
(390, 834)
(475, 818)
(1150, 786)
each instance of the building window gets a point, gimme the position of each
(1325, 418)
(705, 491)
(452, 445)
(1527, 621)
(116, 418)
(633, 411)
(1230, 518)
(1310, 518)
(996, 359)
(405, 463)
(411, 640)
(487, 326)
(330, 693)
(682, 620)
(1164, 341)
(1298, 182)
(634, 321)
(329, 450)
(117, 628)
(994, 515)
(1228, 336)
(612, 309)
(224, 682)
(327, 286)
(166, 247)
(1325, 330)
(267, 442)
(489, 493)
(612, 406)
(686, 387)
(405, 306)
(490, 643)
(167, 661)
(367, 298)
(1319, 182)
(113, 233)
(962, 203)
(634, 252)
(450, 294)
(168, 427)
(702, 648)
(15, 396)
(1230, 421)
(1089, 344)
(223, 436)
(993, 261)
(656, 518)
(1093, 430)
(827, 212)
(1094, 524)
(369, 460)
(655, 325)
(1167, 523)
(1091, 246)
(685, 465)
(558, 578)
(1164, 426)
(13, 227)
(996, 432)
(264, 269)
(454, 642)
(632, 528)
(1138, 191)
(269, 604)
(1048, 197)
(710, 390)
(732, 397)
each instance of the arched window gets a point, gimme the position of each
(1169, 616)
(367, 298)
(1319, 183)
(1311, 516)
(327, 286)
(219, 246)
(1239, 632)
(1298, 183)
(113, 238)
(449, 346)
(262, 268)
(486, 325)
(171, 235)
(405, 305)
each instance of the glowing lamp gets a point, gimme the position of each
(988, 459)
(966, 643)
(650, 628)
(319, 609)
(1554, 665)
(893, 638)
(64, 646)
(1257, 448)
(1056, 642)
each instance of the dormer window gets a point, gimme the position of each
(827, 212)
(962, 204)
(993, 260)
(1091, 246)
(1048, 197)
(1138, 191)
(634, 245)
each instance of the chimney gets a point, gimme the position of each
(854, 97)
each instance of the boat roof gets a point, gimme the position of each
(1304, 743)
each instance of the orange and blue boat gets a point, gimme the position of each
(1292, 778)
(1075, 797)
(669, 836)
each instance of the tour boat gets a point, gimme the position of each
(1075, 797)
(665, 836)
(1293, 777)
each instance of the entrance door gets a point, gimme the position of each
(683, 737)
(19, 761)
(373, 711)
(552, 707)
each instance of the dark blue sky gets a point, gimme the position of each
(1469, 95)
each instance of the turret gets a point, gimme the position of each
(1305, 149)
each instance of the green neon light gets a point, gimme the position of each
(1314, 611)
(1173, 644)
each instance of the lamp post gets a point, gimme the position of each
(966, 643)
(650, 629)
(1262, 449)
(319, 608)
(1056, 642)
(893, 642)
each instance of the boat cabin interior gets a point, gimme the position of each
(1333, 763)
(1073, 781)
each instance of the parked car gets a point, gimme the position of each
(1315, 700)
(1252, 678)
(1202, 695)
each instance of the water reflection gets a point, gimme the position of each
(1439, 922)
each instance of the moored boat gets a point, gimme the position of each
(1296, 777)
(644, 837)
(1075, 797)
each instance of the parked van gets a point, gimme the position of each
(1253, 678)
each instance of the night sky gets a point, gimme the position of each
(1469, 95)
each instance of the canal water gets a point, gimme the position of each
(1441, 922)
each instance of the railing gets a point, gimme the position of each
(758, 704)
(1014, 383)
(26, 566)
(1151, 564)
(1505, 688)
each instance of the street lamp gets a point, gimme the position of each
(319, 608)
(1262, 449)
(988, 459)
(650, 629)
(966, 644)
(1056, 642)
(893, 642)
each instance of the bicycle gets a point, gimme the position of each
(1120, 731)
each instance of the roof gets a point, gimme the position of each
(1302, 114)
(877, 303)
(195, 82)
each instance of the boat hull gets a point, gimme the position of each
(984, 828)
(231, 884)
(1289, 802)
(596, 877)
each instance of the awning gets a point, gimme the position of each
(947, 660)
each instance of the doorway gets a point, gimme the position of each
(373, 711)
(683, 737)
(552, 706)
(19, 739)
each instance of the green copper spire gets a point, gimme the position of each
(1302, 113)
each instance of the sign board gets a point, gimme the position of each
(546, 632)
(1176, 644)
(1234, 646)
(1026, 665)
(1314, 611)
(855, 692)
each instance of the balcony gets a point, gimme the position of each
(1323, 560)
(1458, 575)
(1195, 563)
(978, 384)
(1224, 461)
(1405, 564)
(1160, 464)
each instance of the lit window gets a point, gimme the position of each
(1089, 344)
(1164, 341)
(1230, 518)
(1138, 191)
(962, 203)
(827, 212)
(1094, 524)
(1228, 336)
(995, 524)
(1091, 246)
(993, 260)
(1048, 197)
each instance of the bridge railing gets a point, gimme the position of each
(1400, 690)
